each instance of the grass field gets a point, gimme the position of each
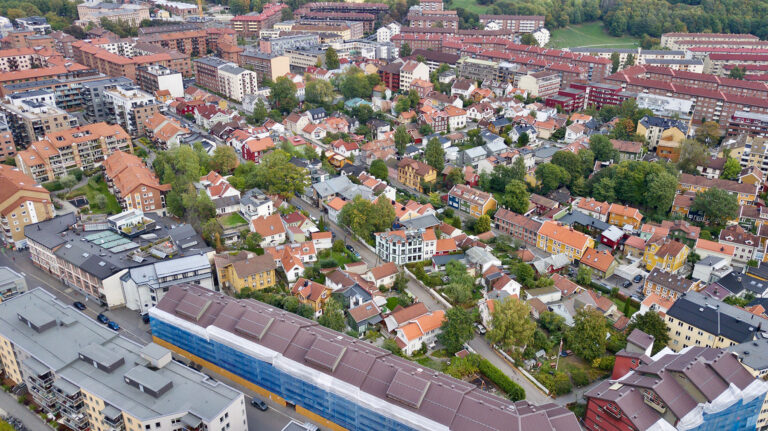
(91, 190)
(591, 35)
(469, 5)
(232, 220)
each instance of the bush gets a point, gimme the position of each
(513, 390)
(53, 186)
(338, 246)
(562, 384)
(328, 263)
(579, 377)
(604, 363)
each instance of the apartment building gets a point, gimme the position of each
(693, 321)
(266, 66)
(236, 82)
(621, 215)
(7, 146)
(477, 69)
(661, 252)
(687, 40)
(374, 399)
(29, 120)
(434, 19)
(411, 70)
(134, 185)
(406, 246)
(251, 25)
(94, 12)
(301, 59)
(745, 244)
(413, 173)
(516, 23)
(192, 42)
(20, 59)
(472, 201)
(669, 391)
(519, 227)
(38, 24)
(121, 58)
(154, 78)
(657, 130)
(667, 285)
(96, 106)
(22, 202)
(745, 192)
(540, 84)
(130, 107)
(556, 238)
(93, 378)
(747, 123)
(83, 147)
(245, 270)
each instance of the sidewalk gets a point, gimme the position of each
(12, 407)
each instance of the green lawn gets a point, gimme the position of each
(589, 35)
(620, 305)
(469, 6)
(232, 220)
(95, 188)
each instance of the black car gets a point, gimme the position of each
(259, 404)
(79, 305)
(145, 318)
(102, 318)
(350, 248)
(626, 284)
(638, 278)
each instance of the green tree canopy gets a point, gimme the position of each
(331, 59)
(435, 155)
(587, 336)
(379, 169)
(652, 324)
(511, 325)
(717, 205)
(456, 329)
(283, 95)
(516, 197)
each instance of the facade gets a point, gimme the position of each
(236, 82)
(266, 66)
(745, 244)
(130, 107)
(556, 238)
(516, 23)
(96, 106)
(22, 202)
(666, 254)
(312, 294)
(413, 173)
(134, 185)
(251, 25)
(419, 332)
(245, 269)
(620, 215)
(29, 121)
(472, 201)
(667, 285)
(255, 344)
(601, 263)
(83, 147)
(95, 379)
(93, 12)
(540, 84)
(406, 246)
(745, 192)
(517, 226)
(155, 77)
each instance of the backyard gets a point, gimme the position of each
(101, 201)
(232, 220)
(589, 35)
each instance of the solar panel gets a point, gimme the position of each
(325, 354)
(408, 389)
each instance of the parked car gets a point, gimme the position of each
(259, 404)
(637, 298)
(113, 326)
(102, 319)
(145, 318)
(480, 329)
(638, 278)
(79, 305)
(626, 284)
(353, 251)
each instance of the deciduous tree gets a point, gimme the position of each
(511, 325)
(588, 334)
(516, 197)
(717, 205)
(456, 329)
(652, 324)
(435, 155)
(379, 169)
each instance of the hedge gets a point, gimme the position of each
(513, 390)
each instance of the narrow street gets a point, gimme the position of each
(10, 406)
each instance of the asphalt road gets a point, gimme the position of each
(9, 406)
(132, 327)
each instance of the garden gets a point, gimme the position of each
(99, 197)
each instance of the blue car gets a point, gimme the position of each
(102, 319)
(113, 326)
(79, 305)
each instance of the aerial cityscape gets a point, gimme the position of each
(412, 215)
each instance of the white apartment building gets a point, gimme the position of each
(235, 82)
(412, 70)
(401, 247)
(129, 107)
(384, 34)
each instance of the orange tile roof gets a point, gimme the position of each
(446, 245)
(564, 234)
(257, 145)
(267, 226)
(309, 289)
(13, 180)
(590, 204)
(337, 203)
(714, 246)
(654, 298)
(625, 211)
(423, 325)
(322, 235)
(129, 172)
(600, 260)
(429, 235)
(385, 270)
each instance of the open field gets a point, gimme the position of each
(468, 5)
(588, 35)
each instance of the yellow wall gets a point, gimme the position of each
(254, 282)
(9, 361)
(622, 220)
(553, 246)
(675, 262)
(686, 330)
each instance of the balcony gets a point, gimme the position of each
(653, 401)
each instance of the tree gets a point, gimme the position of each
(363, 113)
(630, 60)
(731, 169)
(692, 154)
(652, 324)
(510, 324)
(68, 181)
(355, 83)
(402, 139)
(275, 175)
(212, 232)
(435, 155)
(524, 274)
(333, 316)
(286, 14)
(737, 72)
(364, 218)
(483, 224)
(319, 91)
(528, 39)
(260, 113)
(717, 205)
(426, 129)
(660, 193)
(100, 201)
(455, 176)
(283, 95)
(584, 276)
(405, 50)
(708, 133)
(523, 139)
(238, 7)
(252, 241)
(551, 321)
(331, 59)
(603, 149)
(458, 293)
(587, 336)
(456, 329)
(516, 197)
(391, 345)
(615, 61)
(604, 190)
(224, 159)
(379, 169)
(551, 177)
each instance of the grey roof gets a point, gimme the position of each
(710, 260)
(753, 353)
(556, 260)
(233, 69)
(226, 201)
(579, 218)
(670, 281)
(422, 222)
(121, 80)
(317, 353)
(475, 152)
(716, 317)
(445, 258)
(495, 147)
(47, 232)
(664, 123)
(8, 276)
(212, 61)
(59, 348)
(480, 256)
(545, 152)
(332, 186)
